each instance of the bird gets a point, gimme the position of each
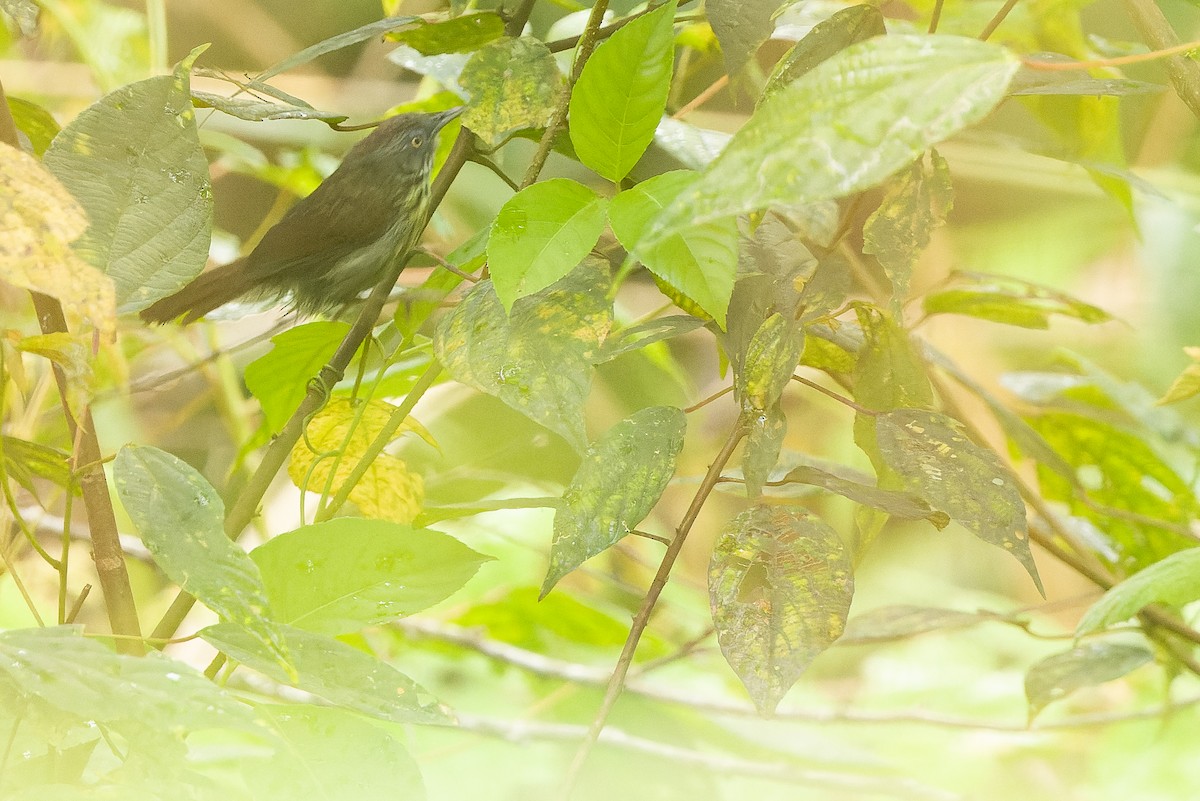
(338, 241)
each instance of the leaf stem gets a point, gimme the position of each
(992, 25)
(1118, 61)
(842, 399)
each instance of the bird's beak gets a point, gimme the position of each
(443, 117)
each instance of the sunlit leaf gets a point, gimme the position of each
(537, 359)
(540, 235)
(1175, 581)
(524, 619)
(133, 161)
(620, 480)
(339, 673)
(827, 38)
(462, 34)
(35, 122)
(181, 519)
(513, 84)
(1085, 665)
(621, 94)
(699, 261)
(336, 439)
(340, 576)
(968, 482)
(279, 377)
(780, 584)
(1186, 384)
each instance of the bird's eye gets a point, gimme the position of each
(417, 141)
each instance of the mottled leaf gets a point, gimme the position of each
(700, 261)
(1085, 665)
(898, 504)
(915, 201)
(902, 621)
(279, 377)
(463, 34)
(513, 84)
(1175, 582)
(780, 584)
(769, 362)
(339, 673)
(181, 519)
(889, 372)
(847, 125)
(827, 38)
(248, 107)
(643, 334)
(540, 235)
(537, 359)
(133, 161)
(970, 483)
(340, 576)
(619, 481)
(1011, 301)
(741, 27)
(621, 94)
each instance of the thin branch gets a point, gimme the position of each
(516, 23)
(936, 16)
(702, 98)
(991, 27)
(701, 404)
(1169, 51)
(839, 398)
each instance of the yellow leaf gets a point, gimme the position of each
(340, 434)
(38, 221)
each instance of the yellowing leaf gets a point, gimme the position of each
(336, 439)
(38, 221)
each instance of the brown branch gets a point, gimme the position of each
(1183, 72)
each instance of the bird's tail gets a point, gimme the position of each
(205, 293)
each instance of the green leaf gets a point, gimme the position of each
(181, 519)
(915, 201)
(1085, 665)
(767, 367)
(246, 107)
(1186, 384)
(693, 147)
(339, 673)
(537, 359)
(540, 235)
(621, 94)
(25, 460)
(1002, 299)
(521, 618)
(340, 576)
(700, 261)
(741, 27)
(513, 84)
(133, 161)
(848, 124)
(1174, 581)
(1039, 82)
(643, 334)
(968, 482)
(334, 43)
(889, 373)
(463, 34)
(331, 755)
(826, 39)
(35, 122)
(622, 476)
(898, 504)
(24, 13)
(780, 584)
(279, 377)
(85, 678)
(902, 621)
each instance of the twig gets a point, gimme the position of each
(702, 98)
(991, 27)
(860, 409)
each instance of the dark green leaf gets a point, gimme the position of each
(829, 37)
(900, 622)
(621, 94)
(513, 84)
(1085, 665)
(279, 377)
(540, 235)
(333, 43)
(968, 482)
(915, 201)
(780, 584)
(463, 34)
(537, 359)
(35, 122)
(898, 504)
(331, 755)
(340, 576)
(246, 107)
(133, 161)
(848, 124)
(620, 480)
(181, 519)
(741, 27)
(1012, 301)
(339, 673)
(700, 261)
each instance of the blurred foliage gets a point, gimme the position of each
(843, 357)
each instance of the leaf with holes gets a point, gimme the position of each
(513, 84)
(970, 483)
(780, 584)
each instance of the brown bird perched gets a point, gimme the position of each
(338, 241)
